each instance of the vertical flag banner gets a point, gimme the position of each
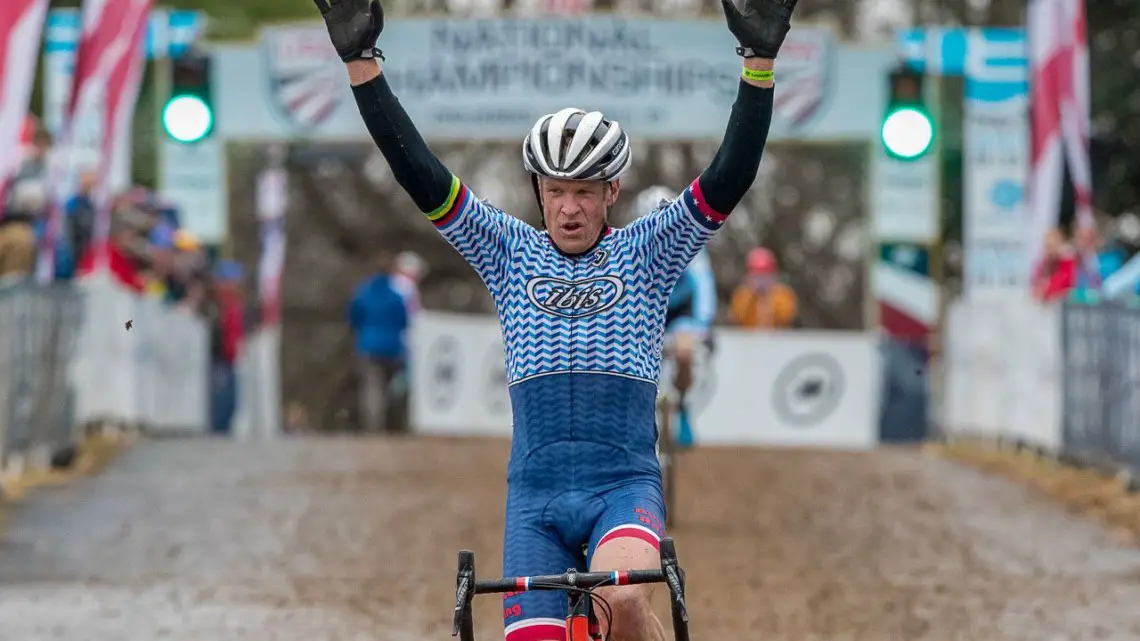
(21, 24)
(101, 105)
(272, 202)
(1059, 99)
(995, 164)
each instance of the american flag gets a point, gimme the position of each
(1059, 114)
(21, 23)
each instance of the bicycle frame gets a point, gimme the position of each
(581, 623)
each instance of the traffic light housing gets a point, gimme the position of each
(188, 115)
(907, 131)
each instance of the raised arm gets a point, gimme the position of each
(482, 234)
(679, 231)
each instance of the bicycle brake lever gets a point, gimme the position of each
(673, 578)
(461, 591)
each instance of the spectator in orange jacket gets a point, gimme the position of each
(762, 301)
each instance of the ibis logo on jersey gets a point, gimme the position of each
(575, 298)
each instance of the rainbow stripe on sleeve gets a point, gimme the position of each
(446, 213)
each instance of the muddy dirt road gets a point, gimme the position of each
(355, 539)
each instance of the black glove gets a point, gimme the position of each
(354, 26)
(761, 26)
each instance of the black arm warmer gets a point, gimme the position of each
(415, 167)
(734, 167)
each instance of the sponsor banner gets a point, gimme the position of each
(996, 152)
(996, 164)
(803, 388)
(491, 79)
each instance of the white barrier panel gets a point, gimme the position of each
(798, 388)
(459, 380)
(793, 388)
(259, 386)
(1003, 371)
(153, 375)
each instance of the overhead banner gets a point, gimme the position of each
(491, 79)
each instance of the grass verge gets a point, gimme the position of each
(1087, 492)
(92, 457)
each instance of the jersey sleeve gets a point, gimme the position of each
(484, 235)
(671, 237)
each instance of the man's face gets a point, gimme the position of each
(87, 181)
(575, 211)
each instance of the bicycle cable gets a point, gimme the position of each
(604, 606)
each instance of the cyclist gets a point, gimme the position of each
(582, 308)
(688, 319)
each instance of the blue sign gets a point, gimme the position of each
(168, 34)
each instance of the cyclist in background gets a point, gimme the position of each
(688, 319)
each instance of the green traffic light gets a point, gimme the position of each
(907, 133)
(187, 118)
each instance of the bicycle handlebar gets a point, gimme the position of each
(583, 580)
(466, 587)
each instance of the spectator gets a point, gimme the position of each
(379, 317)
(161, 252)
(26, 204)
(1056, 273)
(197, 294)
(228, 327)
(409, 271)
(79, 211)
(762, 301)
(34, 166)
(121, 253)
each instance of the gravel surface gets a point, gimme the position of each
(345, 539)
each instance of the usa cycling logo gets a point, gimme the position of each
(807, 63)
(305, 82)
(575, 298)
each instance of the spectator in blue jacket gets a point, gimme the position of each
(379, 319)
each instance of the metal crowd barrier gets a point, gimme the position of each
(1101, 384)
(39, 326)
(68, 362)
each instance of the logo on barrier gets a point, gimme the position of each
(808, 390)
(305, 84)
(496, 381)
(575, 298)
(443, 370)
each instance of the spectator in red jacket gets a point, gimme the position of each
(228, 330)
(1056, 274)
(121, 256)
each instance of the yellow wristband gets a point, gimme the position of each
(758, 75)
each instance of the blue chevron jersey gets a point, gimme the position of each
(583, 338)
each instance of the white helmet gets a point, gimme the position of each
(575, 145)
(651, 199)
